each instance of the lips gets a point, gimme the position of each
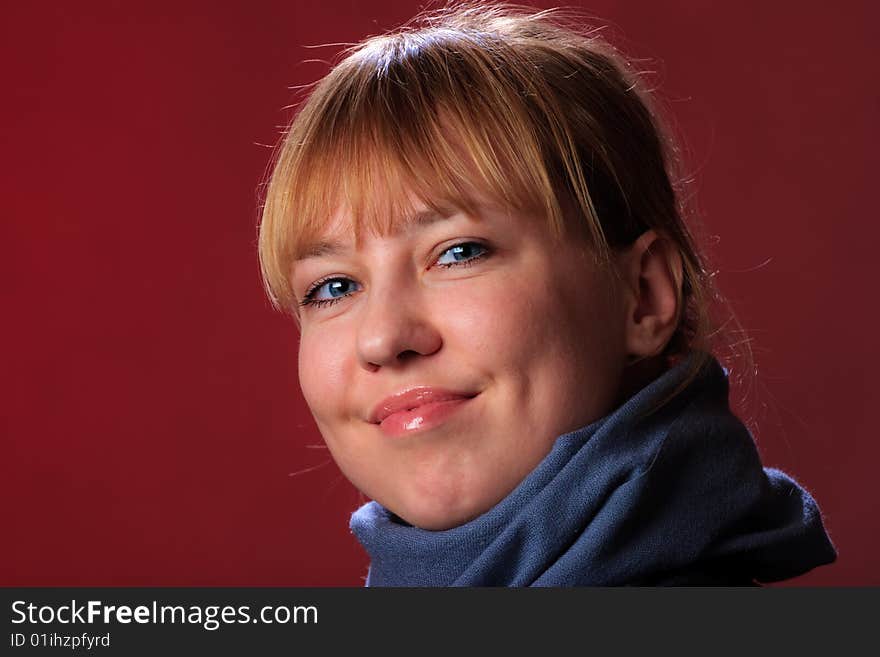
(417, 409)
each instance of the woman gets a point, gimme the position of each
(505, 322)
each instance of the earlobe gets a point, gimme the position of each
(652, 268)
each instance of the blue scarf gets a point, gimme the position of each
(677, 497)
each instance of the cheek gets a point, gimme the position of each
(550, 337)
(491, 324)
(323, 371)
(517, 313)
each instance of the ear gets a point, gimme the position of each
(652, 273)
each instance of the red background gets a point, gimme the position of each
(153, 430)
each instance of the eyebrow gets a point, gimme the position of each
(335, 247)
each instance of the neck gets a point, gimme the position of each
(638, 374)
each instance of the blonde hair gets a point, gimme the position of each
(480, 101)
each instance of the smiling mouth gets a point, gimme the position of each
(421, 418)
(417, 409)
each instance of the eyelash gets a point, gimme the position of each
(310, 301)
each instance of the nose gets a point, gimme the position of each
(395, 328)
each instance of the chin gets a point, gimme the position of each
(437, 499)
(436, 514)
(439, 521)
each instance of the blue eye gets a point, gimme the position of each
(463, 253)
(329, 291)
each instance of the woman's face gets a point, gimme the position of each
(441, 361)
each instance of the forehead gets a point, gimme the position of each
(343, 229)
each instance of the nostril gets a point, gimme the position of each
(372, 367)
(407, 355)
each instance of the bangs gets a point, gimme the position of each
(396, 126)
